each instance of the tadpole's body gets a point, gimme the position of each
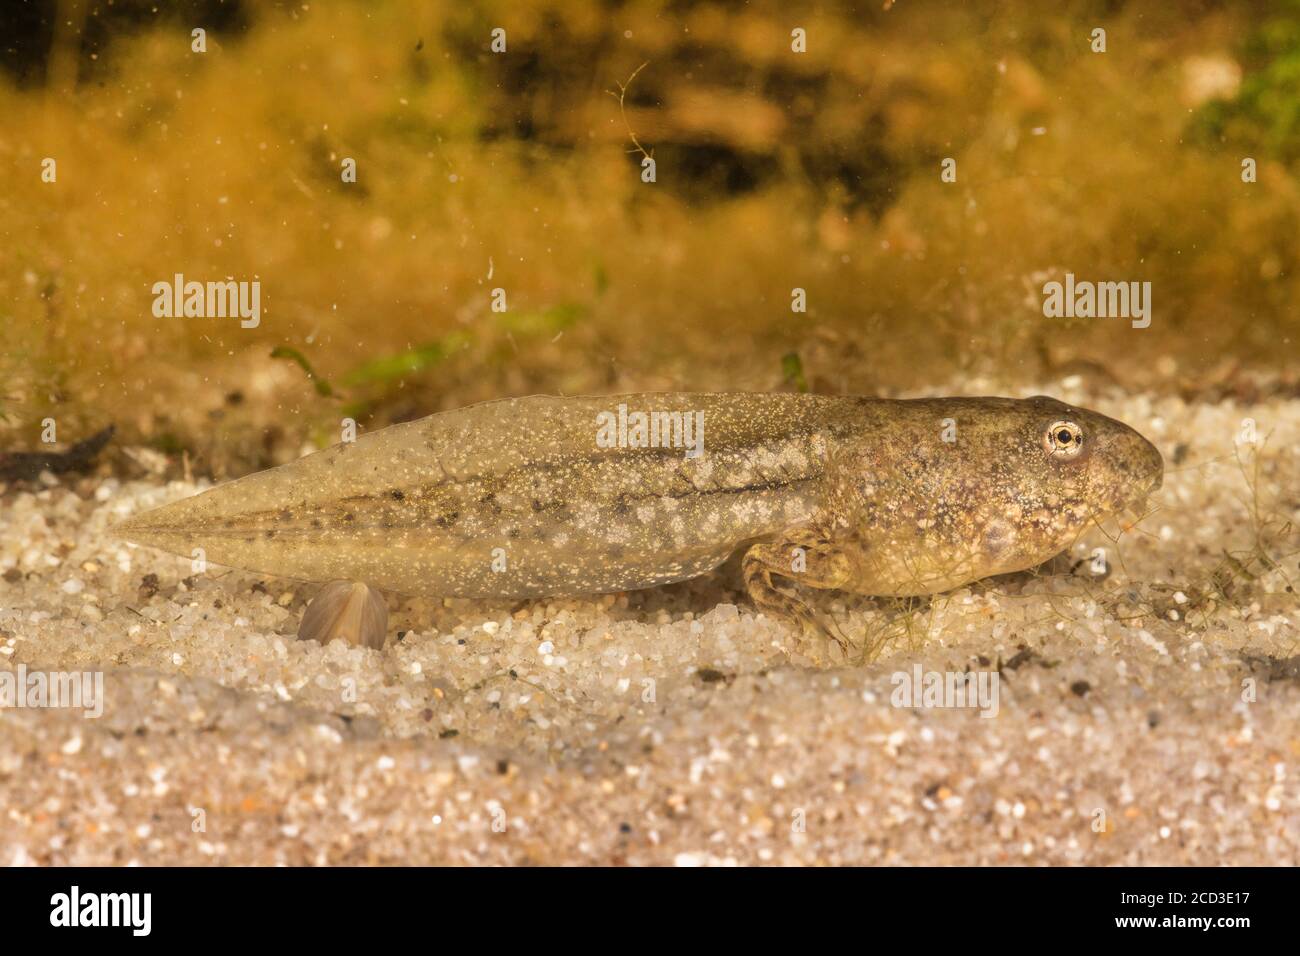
(530, 497)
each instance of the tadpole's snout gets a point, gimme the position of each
(1152, 464)
(1158, 470)
(1138, 465)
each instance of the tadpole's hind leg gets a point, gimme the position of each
(801, 556)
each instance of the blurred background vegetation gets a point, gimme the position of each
(775, 170)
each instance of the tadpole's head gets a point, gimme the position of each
(1096, 463)
(1063, 468)
(973, 487)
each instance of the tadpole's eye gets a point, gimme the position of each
(1063, 440)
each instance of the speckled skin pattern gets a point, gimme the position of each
(859, 494)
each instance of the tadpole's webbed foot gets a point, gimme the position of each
(805, 558)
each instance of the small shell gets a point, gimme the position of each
(355, 612)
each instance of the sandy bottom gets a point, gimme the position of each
(1149, 714)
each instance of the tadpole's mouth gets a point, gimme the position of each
(1136, 510)
(1133, 508)
(1138, 506)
